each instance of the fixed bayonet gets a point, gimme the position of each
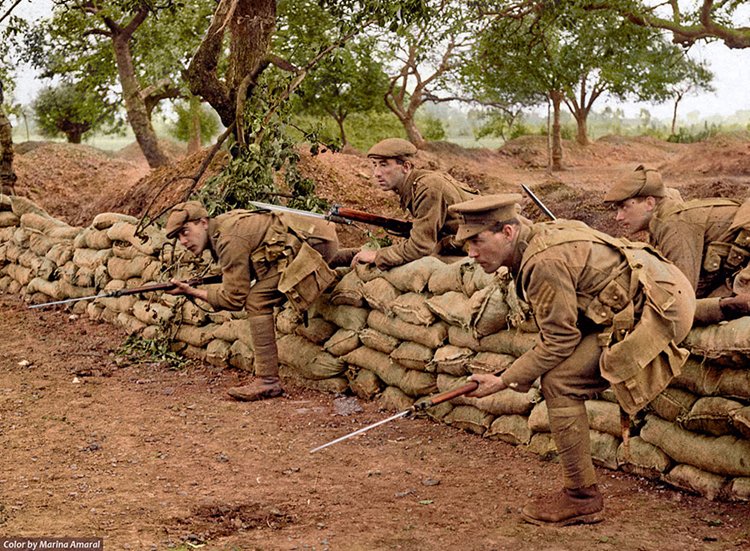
(420, 405)
(279, 208)
(538, 202)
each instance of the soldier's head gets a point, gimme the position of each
(489, 225)
(635, 197)
(188, 222)
(392, 161)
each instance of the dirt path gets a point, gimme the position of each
(150, 458)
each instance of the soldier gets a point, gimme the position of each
(287, 257)
(708, 239)
(609, 312)
(424, 194)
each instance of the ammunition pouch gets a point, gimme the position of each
(305, 278)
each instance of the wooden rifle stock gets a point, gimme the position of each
(392, 225)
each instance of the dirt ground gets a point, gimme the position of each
(97, 444)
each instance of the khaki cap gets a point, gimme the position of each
(481, 213)
(182, 213)
(392, 148)
(642, 182)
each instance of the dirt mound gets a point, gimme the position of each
(132, 152)
(725, 154)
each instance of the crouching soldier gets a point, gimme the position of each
(609, 312)
(285, 255)
(708, 239)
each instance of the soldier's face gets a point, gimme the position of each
(493, 249)
(389, 174)
(194, 236)
(635, 214)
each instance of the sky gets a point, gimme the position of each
(732, 76)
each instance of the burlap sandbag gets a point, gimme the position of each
(341, 342)
(454, 308)
(491, 311)
(234, 329)
(412, 308)
(241, 356)
(130, 323)
(543, 445)
(414, 275)
(21, 274)
(119, 304)
(12, 251)
(741, 421)
(191, 314)
(60, 253)
(448, 277)
(365, 384)
(105, 220)
(296, 351)
(642, 458)
(394, 399)
(713, 416)
(672, 403)
(348, 291)
(48, 270)
(432, 336)
(490, 362)
(539, 418)
(5, 283)
(505, 402)
(463, 338)
(148, 242)
(709, 380)
(469, 418)
(346, 317)
(710, 485)
(48, 288)
(475, 278)
(317, 330)
(6, 234)
(604, 449)
(739, 489)
(378, 341)
(30, 260)
(93, 239)
(725, 455)
(412, 355)
(287, 321)
(41, 222)
(729, 341)
(367, 272)
(21, 237)
(334, 385)
(217, 353)
(513, 429)
(152, 313)
(509, 341)
(195, 336)
(604, 417)
(452, 360)
(8, 219)
(120, 268)
(412, 382)
(91, 258)
(379, 294)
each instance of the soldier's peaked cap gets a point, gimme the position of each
(642, 182)
(392, 148)
(182, 213)
(481, 213)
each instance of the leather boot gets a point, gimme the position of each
(261, 388)
(569, 506)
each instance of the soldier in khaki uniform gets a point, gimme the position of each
(610, 313)
(424, 194)
(708, 239)
(287, 257)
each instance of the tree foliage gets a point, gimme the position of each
(64, 109)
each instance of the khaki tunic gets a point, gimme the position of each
(683, 231)
(239, 239)
(426, 195)
(595, 320)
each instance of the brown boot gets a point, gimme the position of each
(577, 506)
(261, 388)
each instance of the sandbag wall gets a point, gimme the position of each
(397, 336)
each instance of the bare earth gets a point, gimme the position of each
(96, 444)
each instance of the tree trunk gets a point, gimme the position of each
(194, 141)
(342, 132)
(74, 136)
(7, 176)
(135, 107)
(582, 133)
(557, 152)
(674, 114)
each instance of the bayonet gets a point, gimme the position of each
(538, 202)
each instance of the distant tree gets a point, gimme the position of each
(195, 123)
(64, 109)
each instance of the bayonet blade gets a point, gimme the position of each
(67, 300)
(279, 208)
(364, 429)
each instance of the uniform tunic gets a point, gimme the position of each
(426, 195)
(564, 282)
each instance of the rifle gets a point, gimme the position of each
(166, 286)
(420, 405)
(343, 215)
(538, 202)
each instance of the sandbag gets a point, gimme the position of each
(41, 222)
(738, 489)
(604, 417)
(342, 342)
(348, 291)
(152, 313)
(195, 336)
(672, 403)
(412, 355)
(604, 449)
(513, 429)
(241, 356)
(709, 485)
(60, 253)
(710, 380)
(741, 421)
(120, 268)
(217, 353)
(642, 458)
(432, 336)
(8, 219)
(454, 308)
(412, 308)
(93, 239)
(452, 360)
(543, 445)
(379, 293)
(129, 323)
(287, 321)
(414, 275)
(346, 317)
(712, 416)
(490, 362)
(91, 258)
(475, 278)
(394, 399)
(105, 220)
(448, 277)
(462, 337)
(21, 274)
(378, 341)
(412, 382)
(317, 330)
(297, 351)
(728, 341)
(510, 341)
(504, 402)
(334, 385)
(724, 455)
(491, 311)
(469, 418)
(365, 384)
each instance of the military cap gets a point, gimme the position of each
(642, 182)
(182, 213)
(481, 213)
(392, 148)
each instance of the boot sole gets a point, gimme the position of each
(256, 397)
(592, 518)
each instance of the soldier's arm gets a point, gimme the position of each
(234, 258)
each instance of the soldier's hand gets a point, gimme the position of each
(364, 257)
(488, 384)
(180, 288)
(735, 307)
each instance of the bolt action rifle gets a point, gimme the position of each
(343, 215)
(166, 286)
